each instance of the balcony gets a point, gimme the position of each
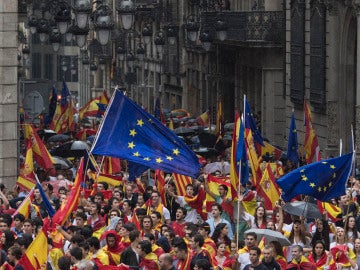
(247, 28)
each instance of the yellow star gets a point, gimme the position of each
(330, 184)
(159, 160)
(140, 122)
(147, 159)
(332, 167)
(136, 154)
(131, 145)
(132, 132)
(302, 170)
(294, 130)
(312, 185)
(176, 151)
(334, 175)
(304, 178)
(324, 188)
(324, 162)
(169, 158)
(319, 189)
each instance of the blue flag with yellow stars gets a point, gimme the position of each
(292, 150)
(251, 124)
(241, 155)
(131, 133)
(323, 180)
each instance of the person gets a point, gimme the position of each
(216, 213)
(99, 257)
(148, 258)
(181, 254)
(166, 262)
(278, 254)
(255, 263)
(96, 221)
(130, 256)
(244, 255)
(209, 244)
(222, 260)
(196, 244)
(260, 218)
(298, 236)
(14, 255)
(321, 233)
(351, 229)
(299, 261)
(357, 251)
(179, 224)
(269, 259)
(171, 204)
(221, 234)
(156, 205)
(341, 239)
(318, 256)
(202, 264)
(113, 248)
(64, 263)
(18, 224)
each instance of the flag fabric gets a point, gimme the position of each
(112, 180)
(49, 208)
(102, 104)
(72, 201)
(181, 181)
(268, 188)
(89, 109)
(28, 167)
(352, 149)
(333, 211)
(252, 157)
(135, 170)
(251, 124)
(26, 182)
(219, 129)
(52, 106)
(40, 153)
(24, 207)
(131, 133)
(160, 183)
(268, 149)
(203, 119)
(63, 119)
(213, 183)
(35, 256)
(112, 165)
(158, 113)
(241, 155)
(323, 180)
(311, 144)
(293, 146)
(171, 124)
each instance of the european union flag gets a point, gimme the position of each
(250, 123)
(241, 156)
(65, 93)
(293, 145)
(323, 180)
(49, 208)
(131, 133)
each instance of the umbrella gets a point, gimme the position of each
(229, 126)
(300, 208)
(59, 138)
(46, 133)
(179, 113)
(270, 235)
(217, 166)
(206, 152)
(61, 163)
(70, 149)
(184, 131)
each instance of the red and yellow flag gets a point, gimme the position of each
(311, 144)
(252, 156)
(40, 153)
(203, 119)
(28, 168)
(112, 165)
(219, 118)
(35, 256)
(181, 181)
(112, 180)
(160, 183)
(234, 167)
(24, 207)
(213, 185)
(268, 189)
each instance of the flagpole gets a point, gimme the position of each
(340, 147)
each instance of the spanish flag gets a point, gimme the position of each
(24, 207)
(35, 257)
(268, 189)
(311, 144)
(203, 119)
(160, 183)
(40, 153)
(112, 180)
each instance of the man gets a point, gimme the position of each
(130, 256)
(222, 199)
(179, 224)
(299, 261)
(166, 262)
(127, 208)
(244, 255)
(99, 257)
(76, 256)
(148, 258)
(181, 254)
(269, 260)
(155, 248)
(18, 224)
(196, 244)
(113, 248)
(156, 219)
(95, 220)
(209, 244)
(130, 195)
(193, 204)
(156, 205)
(216, 211)
(255, 263)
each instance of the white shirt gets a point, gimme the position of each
(192, 215)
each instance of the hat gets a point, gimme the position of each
(205, 226)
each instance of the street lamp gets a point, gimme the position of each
(102, 62)
(120, 51)
(55, 39)
(206, 39)
(93, 68)
(80, 35)
(26, 52)
(82, 9)
(43, 29)
(159, 42)
(140, 52)
(103, 23)
(192, 27)
(63, 17)
(147, 33)
(171, 33)
(221, 27)
(126, 10)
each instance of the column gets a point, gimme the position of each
(9, 93)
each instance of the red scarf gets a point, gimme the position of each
(196, 202)
(321, 262)
(304, 264)
(184, 264)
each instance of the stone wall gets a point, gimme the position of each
(8, 92)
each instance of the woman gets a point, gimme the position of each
(7, 240)
(357, 251)
(220, 235)
(278, 254)
(297, 236)
(321, 233)
(318, 256)
(341, 250)
(260, 218)
(202, 264)
(222, 261)
(351, 229)
(341, 238)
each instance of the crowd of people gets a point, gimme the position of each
(134, 226)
